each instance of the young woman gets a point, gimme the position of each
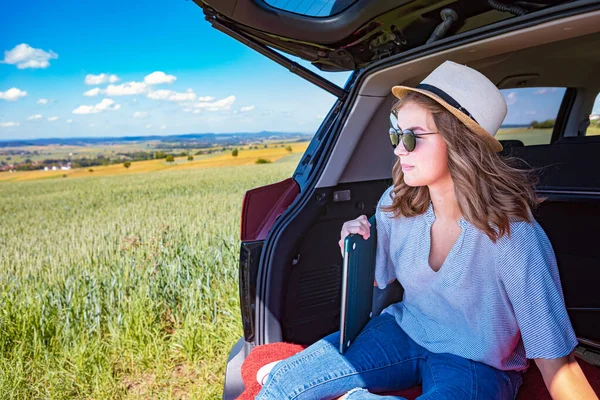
(482, 293)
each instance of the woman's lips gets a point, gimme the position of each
(406, 167)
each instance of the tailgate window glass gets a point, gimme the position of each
(594, 127)
(531, 114)
(312, 8)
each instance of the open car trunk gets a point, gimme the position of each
(290, 278)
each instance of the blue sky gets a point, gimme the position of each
(76, 68)
(234, 88)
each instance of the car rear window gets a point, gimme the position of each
(594, 127)
(312, 8)
(531, 114)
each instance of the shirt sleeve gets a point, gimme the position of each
(528, 271)
(384, 269)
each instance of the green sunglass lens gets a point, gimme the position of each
(409, 142)
(394, 139)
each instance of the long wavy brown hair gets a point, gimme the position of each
(491, 190)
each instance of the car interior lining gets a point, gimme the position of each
(367, 122)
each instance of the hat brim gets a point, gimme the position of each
(495, 145)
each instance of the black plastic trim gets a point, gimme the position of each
(562, 118)
(249, 258)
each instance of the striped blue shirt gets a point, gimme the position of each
(497, 303)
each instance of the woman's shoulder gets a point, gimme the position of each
(386, 198)
(522, 232)
(527, 239)
(385, 216)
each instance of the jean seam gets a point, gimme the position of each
(434, 381)
(517, 386)
(474, 376)
(350, 374)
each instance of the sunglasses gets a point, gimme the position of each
(407, 136)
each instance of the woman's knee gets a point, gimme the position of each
(292, 376)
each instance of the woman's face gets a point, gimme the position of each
(427, 164)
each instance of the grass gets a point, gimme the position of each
(536, 136)
(527, 136)
(123, 286)
(593, 130)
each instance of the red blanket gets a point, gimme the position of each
(533, 385)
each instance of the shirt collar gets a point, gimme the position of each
(430, 217)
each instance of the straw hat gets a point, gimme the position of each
(467, 94)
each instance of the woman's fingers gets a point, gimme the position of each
(360, 226)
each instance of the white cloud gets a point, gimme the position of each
(52, 119)
(140, 114)
(105, 104)
(33, 117)
(12, 94)
(9, 124)
(163, 127)
(100, 79)
(248, 108)
(148, 126)
(42, 101)
(171, 95)
(25, 56)
(206, 98)
(530, 112)
(92, 92)
(92, 125)
(69, 121)
(160, 94)
(511, 98)
(125, 89)
(540, 91)
(219, 105)
(158, 77)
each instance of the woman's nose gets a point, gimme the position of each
(400, 150)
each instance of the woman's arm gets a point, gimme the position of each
(375, 283)
(565, 379)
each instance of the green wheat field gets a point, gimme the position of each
(123, 286)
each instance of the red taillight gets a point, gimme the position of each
(263, 205)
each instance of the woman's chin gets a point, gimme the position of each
(411, 181)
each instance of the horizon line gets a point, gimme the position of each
(147, 136)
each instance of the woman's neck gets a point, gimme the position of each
(444, 201)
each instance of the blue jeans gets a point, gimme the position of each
(384, 358)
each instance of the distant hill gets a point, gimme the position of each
(196, 139)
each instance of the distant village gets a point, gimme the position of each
(41, 165)
(10, 167)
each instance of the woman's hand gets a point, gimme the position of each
(359, 226)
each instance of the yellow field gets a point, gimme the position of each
(245, 157)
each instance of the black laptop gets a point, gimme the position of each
(358, 275)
